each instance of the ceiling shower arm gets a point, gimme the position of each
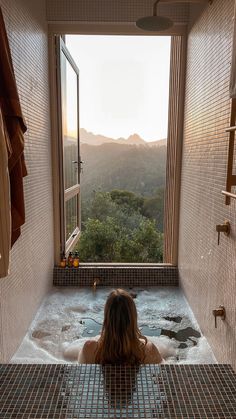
(154, 23)
(155, 7)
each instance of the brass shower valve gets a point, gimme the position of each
(223, 228)
(219, 312)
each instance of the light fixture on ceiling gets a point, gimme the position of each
(154, 22)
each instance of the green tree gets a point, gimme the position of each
(116, 231)
(150, 242)
(153, 208)
(127, 199)
(98, 241)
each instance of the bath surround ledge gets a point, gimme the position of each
(116, 274)
(91, 391)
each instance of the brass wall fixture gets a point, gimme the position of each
(223, 228)
(219, 312)
(96, 283)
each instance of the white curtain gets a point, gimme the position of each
(232, 86)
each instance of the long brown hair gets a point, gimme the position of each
(120, 337)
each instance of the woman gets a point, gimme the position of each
(121, 341)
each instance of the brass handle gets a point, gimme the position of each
(81, 165)
(223, 228)
(219, 312)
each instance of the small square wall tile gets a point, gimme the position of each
(114, 275)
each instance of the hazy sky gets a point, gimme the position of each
(124, 83)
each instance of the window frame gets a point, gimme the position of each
(175, 123)
(65, 194)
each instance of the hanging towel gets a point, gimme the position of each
(5, 206)
(16, 127)
(232, 85)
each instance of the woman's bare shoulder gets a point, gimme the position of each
(87, 353)
(90, 343)
(152, 355)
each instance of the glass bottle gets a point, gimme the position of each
(70, 260)
(63, 260)
(76, 260)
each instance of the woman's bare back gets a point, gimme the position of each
(88, 353)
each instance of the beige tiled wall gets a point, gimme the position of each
(207, 271)
(32, 255)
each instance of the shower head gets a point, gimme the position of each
(154, 22)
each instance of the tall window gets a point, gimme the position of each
(124, 87)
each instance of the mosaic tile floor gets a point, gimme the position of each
(91, 391)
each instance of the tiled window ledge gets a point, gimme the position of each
(116, 274)
(91, 391)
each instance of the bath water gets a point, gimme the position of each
(70, 316)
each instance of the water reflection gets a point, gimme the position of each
(119, 385)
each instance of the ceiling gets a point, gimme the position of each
(119, 16)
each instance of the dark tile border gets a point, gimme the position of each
(115, 275)
(93, 392)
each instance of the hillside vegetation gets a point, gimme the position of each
(138, 169)
(122, 191)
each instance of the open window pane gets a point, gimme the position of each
(71, 216)
(68, 148)
(69, 122)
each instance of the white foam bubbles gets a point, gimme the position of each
(56, 333)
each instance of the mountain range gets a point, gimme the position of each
(134, 139)
(130, 164)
